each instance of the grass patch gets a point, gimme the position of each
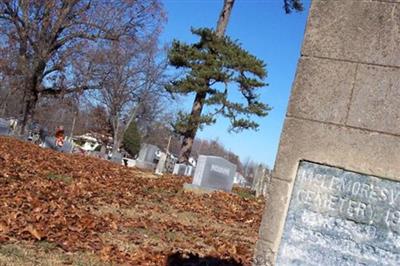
(244, 193)
(63, 178)
(44, 253)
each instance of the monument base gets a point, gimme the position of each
(198, 189)
(145, 165)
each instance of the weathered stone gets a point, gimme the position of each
(353, 149)
(309, 100)
(147, 152)
(197, 189)
(264, 254)
(376, 99)
(117, 158)
(179, 169)
(344, 113)
(362, 31)
(214, 172)
(160, 168)
(145, 165)
(4, 127)
(277, 201)
(337, 217)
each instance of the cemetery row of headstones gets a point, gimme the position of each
(212, 172)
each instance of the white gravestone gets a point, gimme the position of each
(147, 155)
(160, 169)
(214, 172)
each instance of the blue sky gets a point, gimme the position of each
(263, 28)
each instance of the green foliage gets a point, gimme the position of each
(211, 67)
(290, 5)
(132, 139)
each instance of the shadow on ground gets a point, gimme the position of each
(180, 259)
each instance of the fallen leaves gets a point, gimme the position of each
(121, 214)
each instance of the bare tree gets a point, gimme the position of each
(46, 34)
(128, 76)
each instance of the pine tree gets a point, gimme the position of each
(132, 139)
(211, 67)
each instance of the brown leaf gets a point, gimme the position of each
(3, 228)
(35, 233)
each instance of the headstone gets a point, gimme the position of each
(189, 171)
(130, 162)
(170, 163)
(179, 169)
(260, 181)
(146, 157)
(160, 169)
(337, 217)
(116, 158)
(334, 193)
(145, 165)
(214, 172)
(4, 127)
(50, 142)
(147, 152)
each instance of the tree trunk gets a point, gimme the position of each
(28, 112)
(190, 134)
(224, 17)
(116, 140)
(5, 104)
(73, 123)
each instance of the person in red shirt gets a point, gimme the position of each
(59, 136)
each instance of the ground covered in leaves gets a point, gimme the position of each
(60, 209)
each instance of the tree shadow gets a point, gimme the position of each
(180, 259)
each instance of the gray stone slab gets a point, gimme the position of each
(179, 169)
(276, 201)
(214, 172)
(117, 158)
(145, 165)
(363, 31)
(310, 100)
(147, 152)
(4, 127)
(50, 142)
(160, 168)
(376, 99)
(353, 149)
(338, 217)
(198, 189)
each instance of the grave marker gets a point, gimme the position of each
(147, 156)
(343, 116)
(214, 172)
(4, 127)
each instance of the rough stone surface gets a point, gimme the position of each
(147, 152)
(376, 99)
(276, 203)
(145, 165)
(264, 254)
(337, 217)
(179, 169)
(197, 189)
(214, 172)
(160, 168)
(344, 112)
(353, 149)
(308, 100)
(4, 127)
(362, 31)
